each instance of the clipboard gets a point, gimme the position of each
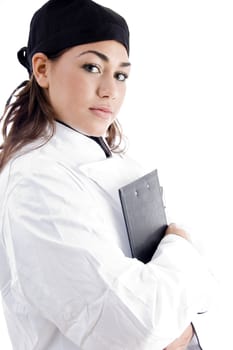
(144, 215)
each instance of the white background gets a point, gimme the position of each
(177, 116)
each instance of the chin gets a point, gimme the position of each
(95, 133)
(98, 132)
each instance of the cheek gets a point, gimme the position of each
(66, 89)
(77, 88)
(121, 96)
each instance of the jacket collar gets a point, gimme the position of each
(99, 140)
(74, 146)
(84, 154)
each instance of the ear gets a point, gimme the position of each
(40, 65)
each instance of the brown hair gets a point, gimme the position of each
(31, 116)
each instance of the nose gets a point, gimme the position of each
(107, 88)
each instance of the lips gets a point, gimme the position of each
(102, 109)
(102, 112)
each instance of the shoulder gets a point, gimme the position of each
(35, 173)
(30, 164)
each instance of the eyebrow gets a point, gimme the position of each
(103, 57)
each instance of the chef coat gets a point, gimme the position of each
(67, 277)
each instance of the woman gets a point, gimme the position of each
(67, 277)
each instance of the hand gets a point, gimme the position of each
(173, 229)
(183, 341)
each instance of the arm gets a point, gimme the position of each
(84, 284)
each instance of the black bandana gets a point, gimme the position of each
(60, 24)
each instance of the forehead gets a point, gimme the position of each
(112, 49)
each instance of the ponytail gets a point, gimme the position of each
(25, 120)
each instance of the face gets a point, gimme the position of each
(87, 84)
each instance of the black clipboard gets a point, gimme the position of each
(144, 214)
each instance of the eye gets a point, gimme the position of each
(92, 68)
(121, 76)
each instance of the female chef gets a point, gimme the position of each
(67, 277)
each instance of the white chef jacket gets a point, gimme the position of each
(67, 277)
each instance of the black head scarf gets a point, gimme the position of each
(60, 24)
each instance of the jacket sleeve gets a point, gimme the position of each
(79, 280)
